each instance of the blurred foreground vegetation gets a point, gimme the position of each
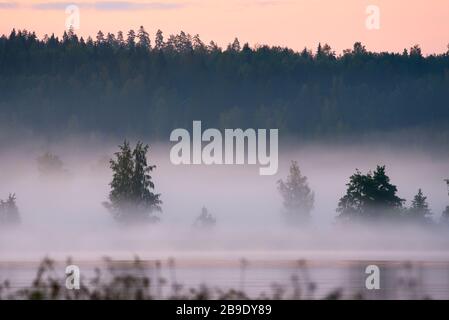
(143, 280)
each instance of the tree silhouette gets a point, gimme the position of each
(419, 209)
(9, 212)
(50, 164)
(131, 40)
(205, 219)
(120, 39)
(131, 198)
(100, 37)
(445, 215)
(159, 40)
(234, 46)
(144, 38)
(298, 198)
(370, 196)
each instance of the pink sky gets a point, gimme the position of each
(292, 23)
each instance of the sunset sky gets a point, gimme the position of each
(292, 23)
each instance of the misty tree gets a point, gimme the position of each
(9, 212)
(131, 196)
(419, 209)
(370, 196)
(50, 164)
(205, 219)
(298, 198)
(445, 215)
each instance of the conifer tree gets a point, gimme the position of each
(9, 212)
(120, 39)
(100, 38)
(159, 40)
(131, 40)
(144, 38)
(131, 197)
(298, 198)
(50, 164)
(445, 215)
(370, 195)
(419, 208)
(205, 219)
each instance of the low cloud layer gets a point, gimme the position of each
(97, 5)
(8, 5)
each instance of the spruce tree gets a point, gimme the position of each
(131, 198)
(205, 219)
(142, 183)
(9, 212)
(419, 208)
(298, 198)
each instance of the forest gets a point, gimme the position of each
(136, 85)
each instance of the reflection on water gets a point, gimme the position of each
(278, 279)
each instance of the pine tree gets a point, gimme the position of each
(183, 42)
(198, 45)
(213, 47)
(131, 40)
(100, 38)
(159, 40)
(120, 39)
(319, 51)
(110, 40)
(71, 33)
(359, 49)
(415, 51)
(234, 46)
(298, 198)
(370, 195)
(131, 198)
(144, 38)
(89, 42)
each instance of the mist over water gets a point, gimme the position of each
(63, 215)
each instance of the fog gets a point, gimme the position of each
(64, 215)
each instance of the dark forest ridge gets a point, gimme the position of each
(133, 85)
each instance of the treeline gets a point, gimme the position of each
(136, 85)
